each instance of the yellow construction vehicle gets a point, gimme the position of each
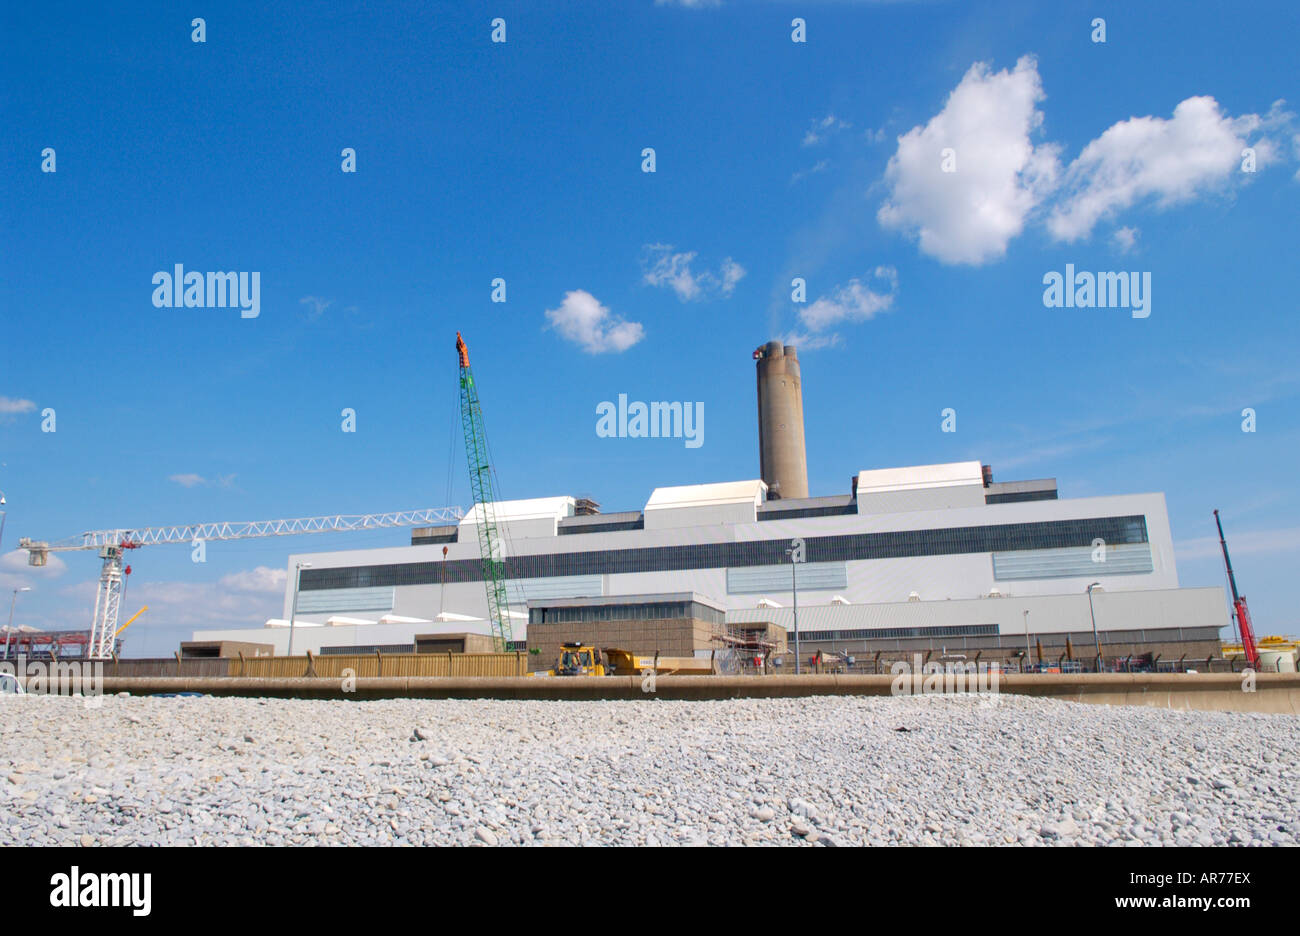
(627, 663)
(578, 659)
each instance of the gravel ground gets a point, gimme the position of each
(831, 771)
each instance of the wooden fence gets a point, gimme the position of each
(332, 666)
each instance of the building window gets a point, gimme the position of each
(897, 544)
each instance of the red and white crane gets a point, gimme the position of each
(113, 544)
(1239, 606)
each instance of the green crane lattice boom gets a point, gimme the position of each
(483, 485)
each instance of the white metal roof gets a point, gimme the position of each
(920, 477)
(707, 495)
(537, 508)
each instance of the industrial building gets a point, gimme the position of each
(937, 559)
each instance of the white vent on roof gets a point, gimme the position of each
(840, 600)
(340, 620)
(913, 596)
(767, 603)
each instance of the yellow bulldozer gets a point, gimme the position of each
(578, 659)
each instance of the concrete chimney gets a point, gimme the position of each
(783, 461)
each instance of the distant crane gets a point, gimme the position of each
(482, 481)
(1239, 605)
(112, 544)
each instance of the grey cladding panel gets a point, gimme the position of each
(776, 578)
(330, 600)
(1072, 562)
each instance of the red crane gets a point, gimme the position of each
(1239, 605)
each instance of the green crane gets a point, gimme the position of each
(482, 482)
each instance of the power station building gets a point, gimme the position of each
(934, 559)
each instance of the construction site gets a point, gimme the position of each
(753, 584)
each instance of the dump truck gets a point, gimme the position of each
(627, 663)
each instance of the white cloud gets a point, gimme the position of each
(819, 166)
(823, 129)
(732, 273)
(318, 305)
(12, 407)
(662, 267)
(584, 321)
(261, 579)
(970, 215)
(1197, 151)
(246, 598)
(16, 573)
(1002, 180)
(854, 302)
(196, 480)
(177, 609)
(1283, 540)
(1125, 238)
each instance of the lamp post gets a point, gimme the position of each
(795, 552)
(1027, 656)
(1093, 614)
(9, 631)
(2, 518)
(293, 608)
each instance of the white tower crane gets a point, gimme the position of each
(113, 543)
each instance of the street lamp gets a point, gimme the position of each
(1093, 614)
(293, 611)
(1027, 657)
(795, 552)
(2, 517)
(9, 631)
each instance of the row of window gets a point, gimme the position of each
(648, 611)
(612, 526)
(1016, 497)
(1002, 537)
(367, 649)
(796, 513)
(891, 633)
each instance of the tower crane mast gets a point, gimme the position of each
(113, 544)
(482, 482)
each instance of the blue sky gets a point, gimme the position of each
(522, 160)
